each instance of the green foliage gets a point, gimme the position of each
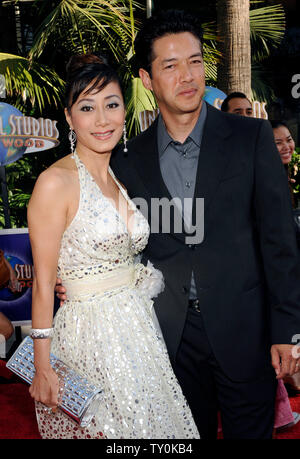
(68, 27)
(267, 28)
(294, 172)
(81, 26)
(267, 25)
(21, 177)
(137, 100)
(30, 82)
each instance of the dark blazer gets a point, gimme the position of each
(246, 268)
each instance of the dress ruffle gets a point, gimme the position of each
(148, 280)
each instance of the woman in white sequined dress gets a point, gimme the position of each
(84, 228)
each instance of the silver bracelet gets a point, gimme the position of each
(41, 333)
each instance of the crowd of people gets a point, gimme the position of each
(174, 329)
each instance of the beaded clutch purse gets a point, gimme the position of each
(79, 398)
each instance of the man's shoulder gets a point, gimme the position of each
(145, 136)
(137, 143)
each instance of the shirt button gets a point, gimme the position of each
(192, 246)
(188, 184)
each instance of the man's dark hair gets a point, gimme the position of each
(166, 22)
(233, 95)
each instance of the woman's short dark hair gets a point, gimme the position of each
(166, 22)
(84, 70)
(278, 123)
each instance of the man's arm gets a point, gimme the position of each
(279, 249)
(60, 291)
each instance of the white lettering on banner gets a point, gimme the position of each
(2, 87)
(296, 88)
(259, 110)
(28, 126)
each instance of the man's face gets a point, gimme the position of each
(240, 106)
(177, 76)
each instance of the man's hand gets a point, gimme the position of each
(283, 361)
(60, 291)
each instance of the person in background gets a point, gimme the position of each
(237, 103)
(6, 327)
(286, 147)
(8, 279)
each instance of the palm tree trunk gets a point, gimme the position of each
(234, 68)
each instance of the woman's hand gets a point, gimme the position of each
(45, 387)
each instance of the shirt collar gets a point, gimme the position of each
(164, 138)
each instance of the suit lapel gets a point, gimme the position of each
(148, 168)
(213, 156)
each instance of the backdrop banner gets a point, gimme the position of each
(16, 293)
(15, 296)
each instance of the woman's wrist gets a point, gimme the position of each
(41, 333)
(43, 368)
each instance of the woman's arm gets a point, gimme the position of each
(47, 216)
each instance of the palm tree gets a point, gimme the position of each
(74, 26)
(234, 68)
(246, 37)
(30, 83)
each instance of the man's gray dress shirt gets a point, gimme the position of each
(178, 164)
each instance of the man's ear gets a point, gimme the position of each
(146, 80)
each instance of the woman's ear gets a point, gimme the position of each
(68, 118)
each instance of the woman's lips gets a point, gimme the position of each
(102, 135)
(286, 155)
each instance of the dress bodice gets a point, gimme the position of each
(97, 239)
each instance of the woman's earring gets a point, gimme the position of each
(72, 139)
(125, 138)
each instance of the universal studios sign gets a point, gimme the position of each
(21, 134)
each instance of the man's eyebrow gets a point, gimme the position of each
(172, 59)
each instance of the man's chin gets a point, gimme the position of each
(191, 108)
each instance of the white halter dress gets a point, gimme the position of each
(106, 330)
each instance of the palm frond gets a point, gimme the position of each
(137, 99)
(108, 19)
(31, 82)
(261, 90)
(267, 27)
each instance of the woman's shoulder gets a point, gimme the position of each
(57, 180)
(62, 172)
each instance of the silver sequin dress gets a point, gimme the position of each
(106, 329)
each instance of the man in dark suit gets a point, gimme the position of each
(233, 297)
